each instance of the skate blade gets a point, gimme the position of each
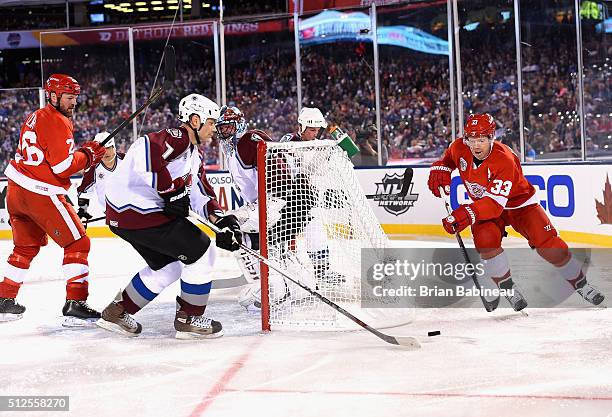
(6, 317)
(115, 328)
(196, 336)
(75, 322)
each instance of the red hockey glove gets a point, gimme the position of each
(94, 152)
(462, 217)
(439, 176)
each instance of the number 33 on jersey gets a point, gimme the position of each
(499, 177)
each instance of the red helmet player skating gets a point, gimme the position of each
(502, 196)
(39, 174)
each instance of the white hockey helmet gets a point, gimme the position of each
(311, 117)
(103, 135)
(200, 105)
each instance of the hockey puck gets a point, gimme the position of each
(434, 333)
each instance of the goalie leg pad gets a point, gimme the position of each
(251, 240)
(316, 238)
(248, 264)
(247, 216)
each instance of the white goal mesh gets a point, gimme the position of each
(316, 237)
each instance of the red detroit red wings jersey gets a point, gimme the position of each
(496, 184)
(45, 151)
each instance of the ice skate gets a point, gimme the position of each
(10, 309)
(514, 296)
(116, 319)
(590, 293)
(77, 313)
(196, 327)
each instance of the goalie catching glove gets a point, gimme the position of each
(176, 198)
(462, 217)
(230, 236)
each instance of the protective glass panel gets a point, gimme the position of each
(99, 61)
(337, 64)
(414, 80)
(15, 106)
(596, 53)
(488, 65)
(195, 73)
(550, 89)
(260, 73)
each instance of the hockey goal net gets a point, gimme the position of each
(316, 220)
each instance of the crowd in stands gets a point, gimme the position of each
(25, 18)
(53, 16)
(415, 99)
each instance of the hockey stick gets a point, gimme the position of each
(407, 341)
(169, 59)
(488, 305)
(96, 219)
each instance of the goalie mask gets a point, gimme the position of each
(231, 123)
(200, 105)
(311, 117)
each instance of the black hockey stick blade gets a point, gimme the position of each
(406, 341)
(169, 67)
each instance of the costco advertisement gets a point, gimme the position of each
(578, 199)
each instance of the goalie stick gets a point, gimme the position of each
(488, 305)
(169, 59)
(406, 341)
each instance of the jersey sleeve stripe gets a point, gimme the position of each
(63, 166)
(147, 154)
(502, 201)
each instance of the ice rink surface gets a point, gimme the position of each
(551, 363)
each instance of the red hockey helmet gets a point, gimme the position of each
(480, 125)
(60, 84)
